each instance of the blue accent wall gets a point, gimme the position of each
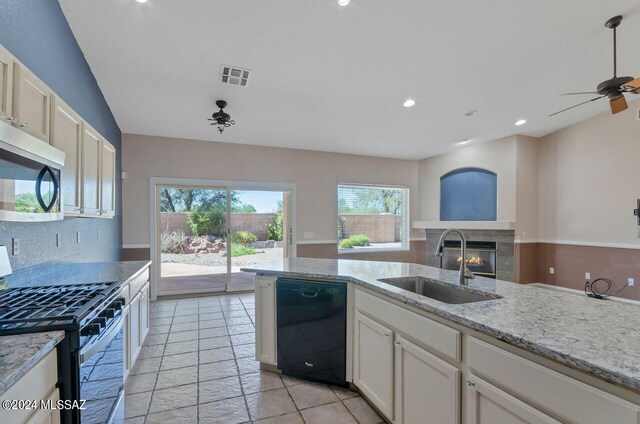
(38, 34)
(468, 194)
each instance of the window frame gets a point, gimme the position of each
(405, 230)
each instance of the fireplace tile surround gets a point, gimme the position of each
(505, 248)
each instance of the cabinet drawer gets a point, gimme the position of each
(431, 334)
(570, 399)
(36, 384)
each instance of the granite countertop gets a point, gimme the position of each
(19, 353)
(596, 336)
(67, 273)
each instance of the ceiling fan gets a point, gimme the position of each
(615, 87)
(221, 118)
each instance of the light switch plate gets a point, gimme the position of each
(58, 240)
(552, 271)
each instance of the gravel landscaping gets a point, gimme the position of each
(208, 259)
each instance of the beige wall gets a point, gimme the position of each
(589, 180)
(316, 175)
(527, 188)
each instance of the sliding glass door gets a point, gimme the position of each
(207, 234)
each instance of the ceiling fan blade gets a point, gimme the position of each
(579, 104)
(634, 85)
(579, 92)
(618, 105)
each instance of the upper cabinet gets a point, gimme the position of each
(6, 86)
(31, 103)
(66, 135)
(89, 172)
(91, 146)
(107, 179)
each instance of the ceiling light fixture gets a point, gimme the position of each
(141, 1)
(409, 103)
(343, 3)
(521, 122)
(465, 141)
(221, 118)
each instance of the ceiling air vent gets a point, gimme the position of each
(235, 76)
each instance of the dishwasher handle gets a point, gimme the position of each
(308, 293)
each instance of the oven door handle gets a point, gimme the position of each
(88, 351)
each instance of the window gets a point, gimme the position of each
(468, 194)
(372, 218)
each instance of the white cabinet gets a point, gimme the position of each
(66, 135)
(135, 342)
(373, 362)
(31, 103)
(46, 416)
(91, 146)
(107, 179)
(425, 386)
(488, 404)
(144, 313)
(266, 320)
(6, 86)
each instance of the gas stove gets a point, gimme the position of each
(91, 356)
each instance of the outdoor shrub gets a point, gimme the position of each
(357, 240)
(242, 250)
(243, 237)
(205, 223)
(346, 244)
(275, 229)
(173, 241)
(360, 240)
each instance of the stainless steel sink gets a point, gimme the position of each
(441, 292)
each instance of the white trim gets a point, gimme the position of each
(136, 246)
(318, 242)
(464, 225)
(581, 243)
(155, 182)
(580, 292)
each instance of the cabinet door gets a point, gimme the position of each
(47, 416)
(31, 103)
(144, 313)
(6, 86)
(488, 404)
(91, 145)
(134, 328)
(66, 135)
(266, 320)
(107, 179)
(427, 388)
(373, 362)
(126, 342)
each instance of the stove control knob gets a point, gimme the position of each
(100, 321)
(108, 313)
(118, 304)
(93, 329)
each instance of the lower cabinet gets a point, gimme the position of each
(266, 320)
(46, 416)
(488, 404)
(427, 389)
(373, 362)
(138, 323)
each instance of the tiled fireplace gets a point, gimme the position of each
(481, 245)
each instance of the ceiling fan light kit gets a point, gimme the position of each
(616, 87)
(221, 118)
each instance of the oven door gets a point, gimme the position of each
(102, 375)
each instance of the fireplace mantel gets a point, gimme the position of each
(464, 225)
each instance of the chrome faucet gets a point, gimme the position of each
(465, 275)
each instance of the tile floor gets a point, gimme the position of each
(197, 366)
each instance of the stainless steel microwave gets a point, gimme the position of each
(30, 188)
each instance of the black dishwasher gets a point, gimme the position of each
(312, 329)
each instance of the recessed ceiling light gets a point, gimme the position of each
(465, 141)
(471, 113)
(141, 1)
(409, 103)
(521, 122)
(343, 3)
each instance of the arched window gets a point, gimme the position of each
(468, 194)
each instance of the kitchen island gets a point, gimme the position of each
(535, 352)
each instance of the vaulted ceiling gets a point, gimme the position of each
(333, 78)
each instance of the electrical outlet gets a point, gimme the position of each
(77, 236)
(98, 234)
(58, 240)
(552, 271)
(587, 276)
(638, 114)
(631, 281)
(15, 247)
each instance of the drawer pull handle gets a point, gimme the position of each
(471, 384)
(25, 125)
